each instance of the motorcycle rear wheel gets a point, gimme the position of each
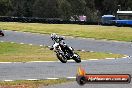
(77, 58)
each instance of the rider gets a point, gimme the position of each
(56, 39)
(59, 39)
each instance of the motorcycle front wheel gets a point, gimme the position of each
(61, 58)
(2, 34)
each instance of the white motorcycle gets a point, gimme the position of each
(63, 52)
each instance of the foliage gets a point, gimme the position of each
(64, 9)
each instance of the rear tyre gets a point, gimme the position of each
(61, 58)
(77, 58)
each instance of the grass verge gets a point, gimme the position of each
(87, 31)
(31, 84)
(23, 53)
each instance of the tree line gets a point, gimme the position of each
(64, 9)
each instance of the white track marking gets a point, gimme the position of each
(5, 62)
(30, 44)
(40, 79)
(52, 78)
(41, 61)
(71, 77)
(49, 46)
(12, 42)
(93, 59)
(83, 50)
(8, 80)
(22, 43)
(40, 45)
(110, 58)
(32, 79)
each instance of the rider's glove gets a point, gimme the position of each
(51, 48)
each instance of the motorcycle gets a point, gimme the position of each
(63, 51)
(1, 33)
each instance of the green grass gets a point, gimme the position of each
(98, 55)
(23, 53)
(87, 31)
(31, 84)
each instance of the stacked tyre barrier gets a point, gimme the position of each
(45, 20)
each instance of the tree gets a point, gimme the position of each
(78, 6)
(93, 9)
(21, 8)
(129, 5)
(64, 9)
(45, 8)
(5, 6)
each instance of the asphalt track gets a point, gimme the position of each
(21, 71)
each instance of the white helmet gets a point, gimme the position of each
(53, 35)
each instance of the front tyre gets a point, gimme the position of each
(61, 58)
(2, 34)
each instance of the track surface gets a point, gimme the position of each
(75, 85)
(78, 43)
(18, 71)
